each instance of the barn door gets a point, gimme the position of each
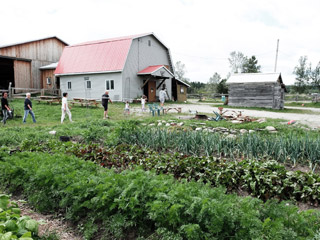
(152, 91)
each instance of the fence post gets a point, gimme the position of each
(10, 90)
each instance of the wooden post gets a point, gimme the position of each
(10, 89)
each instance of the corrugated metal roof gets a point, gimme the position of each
(20, 43)
(182, 82)
(150, 69)
(50, 66)
(156, 71)
(254, 77)
(108, 55)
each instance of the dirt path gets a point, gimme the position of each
(312, 120)
(49, 223)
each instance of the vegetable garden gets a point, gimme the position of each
(123, 179)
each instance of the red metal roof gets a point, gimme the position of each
(107, 55)
(150, 69)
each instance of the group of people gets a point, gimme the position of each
(6, 110)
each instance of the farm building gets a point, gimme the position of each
(128, 67)
(256, 90)
(20, 63)
(179, 90)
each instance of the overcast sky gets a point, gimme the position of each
(200, 33)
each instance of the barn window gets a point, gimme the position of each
(88, 84)
(149, 43)
(109, 84)
(48, 80)
(69, 85)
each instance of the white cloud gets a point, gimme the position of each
(200, 33)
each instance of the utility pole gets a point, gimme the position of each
(275, 66)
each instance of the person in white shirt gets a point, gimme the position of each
(162, 96)
(65, 109)
(127, 108)
(143, 103)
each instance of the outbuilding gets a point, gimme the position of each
(256, 90)
(20, 62)
(128, 67)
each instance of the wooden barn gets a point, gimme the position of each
(256, 90)
(20, 63)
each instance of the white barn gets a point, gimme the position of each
(126, 66)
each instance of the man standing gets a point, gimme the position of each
(105, 100)
(28, 108)
(5, 107)
(65, 109)
(162, 96)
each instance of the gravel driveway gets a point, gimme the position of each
(312, 120)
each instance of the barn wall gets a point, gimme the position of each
(22, 74)
(140, 56)
(44, 75)
(181, 97)
(42, 52)
(267, 95)
(98, 86)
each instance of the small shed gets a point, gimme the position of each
(179, 90)
(256, 90)
(48, 79)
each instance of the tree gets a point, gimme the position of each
(315, 76)
(302, 72)
(251, 65)
(214, 81)
(222, 86)
(237, 60)
(180, 71)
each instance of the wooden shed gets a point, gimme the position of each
(20, 62)
(256, 90)
(179, 90)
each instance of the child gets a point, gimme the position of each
(65, 109)
(127, 108)
(143, 103)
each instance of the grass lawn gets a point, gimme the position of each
(306, 105)
(285, 110)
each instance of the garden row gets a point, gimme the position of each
(138, 203)
(291, 148)
(263, 179)
(12, 224)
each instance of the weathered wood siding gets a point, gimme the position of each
(181, 93)
(267, 95)
(48, 73)
(41, 53)
(22, 74)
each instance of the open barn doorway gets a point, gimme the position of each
(6, 73)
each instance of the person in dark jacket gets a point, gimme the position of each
(5, 107)
(104, 101)
(28, 108)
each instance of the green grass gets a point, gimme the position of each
(285, 110)
(306, 105)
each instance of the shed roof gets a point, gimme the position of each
(30, 41)
(50, 66)
(182, 82)
(254, 78)
(108, 55)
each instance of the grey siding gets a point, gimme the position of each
(98, 85)
(140, 56)
(267, 95)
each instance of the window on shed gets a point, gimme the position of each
(182, 89)
(149, 43)
(109, 84)
(69, 85)
(48, 80)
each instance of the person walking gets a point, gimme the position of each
(28, 108)
(104, 101)
(5, 107)
(65, 108)
(143, 103)
(162, 96)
